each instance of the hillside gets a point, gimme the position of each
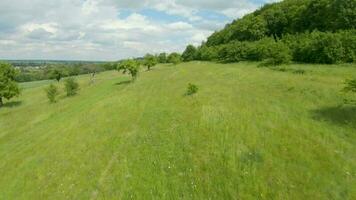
(289, 17)
(299, 31)
(249, 133)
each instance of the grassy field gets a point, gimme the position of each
(249, 133)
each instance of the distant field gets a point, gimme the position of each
(249, 133)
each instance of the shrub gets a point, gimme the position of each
(208, 53)
(52, 93)
(348, 39)
(350, 85)
(233, 52)
(273, 53)
(278, 53)
(192, 89)
(71, 86)
(174, 58)
(323, 47)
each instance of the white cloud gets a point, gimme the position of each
(93, 30)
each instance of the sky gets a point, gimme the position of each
(109, 30)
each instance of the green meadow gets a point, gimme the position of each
(249, 133)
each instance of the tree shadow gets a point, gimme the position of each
(12, 104)
(340, 115)
(124, 82)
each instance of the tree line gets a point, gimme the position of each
(10, 76)
(307, 31)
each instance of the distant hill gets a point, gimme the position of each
(31, 63)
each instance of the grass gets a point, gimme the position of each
(249, 133)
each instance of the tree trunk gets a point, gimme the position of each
(275, 38)
(1, 103)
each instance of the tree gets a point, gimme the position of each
(174, 58)
(71, 86)
(190, 53)
(149, 61)
(162, 58)
(129, 66)
(8, 85)
(57, 74)
(52, 93)
(276, 22)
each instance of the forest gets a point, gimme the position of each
(303, 31)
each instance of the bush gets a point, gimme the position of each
(52, 93)
(192, 89)
(323, 47)
(273, 53)
(348, 39)
(350, 85)
(174, 58)
(278, 53)
(233, 52)
(208, 53)
(71, 86)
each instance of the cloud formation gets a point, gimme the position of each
(110, 29)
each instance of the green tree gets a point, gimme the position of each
(57, 75)
(71, 86)
(190, 53)
(276, 21)
(174, 58)
(149, 61)
(52, 93)
(8, 85)
(162, 58)
(249, 28)
(130, 66)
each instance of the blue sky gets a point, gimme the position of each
(110, 29)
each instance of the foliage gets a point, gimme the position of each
(150, 61)
(208, 53)
(278, 53)
(174, 58)
(314, 31)
(190, 53)
(320, 47)
(31, 72)
(162, 58)
(191, 89)
(52, 93)
(273, 53)
(289, 17)
(130, 66)
(350, 85)
(71, 86)
(8, 85)
(57, 75)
